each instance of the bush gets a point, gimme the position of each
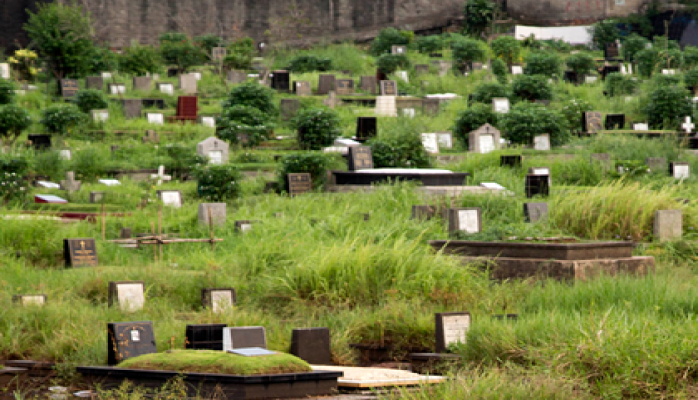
(604, 32)
(90, 99)
(13, 120)
(508, 48)
(488, 91)
(526, 120)
(402, 149)
(240, 54)
(633, 45)
(89, 164)
(181, 159)
(315, 164)
(618, 84)
(254, 95)
(243, 120)
(542, 63)
(472, 118)
(217, 183)
(207, 42)
(667, 107)
(581, 63)
(7, 91)
(12, 174)
(690, 57)
(308, 63)
(690, 78)
(672, 58)
(572, 111)
(138, 60)
(317, 127)
(478, 16)
(468, 51)
(429, 44)
(389, 37)
(61, 118)
(647, 61)
(532, 87)
(389, 63)
(178, 50)
(103, 59)
(499, 69)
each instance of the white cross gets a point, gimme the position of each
(688, 125)
(161, 175)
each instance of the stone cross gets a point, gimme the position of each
(161, 175)
(688, 125)
(70, 184)
(331, 101)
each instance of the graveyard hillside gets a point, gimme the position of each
(453, 214)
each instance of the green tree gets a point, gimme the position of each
(389, 37)
(542, 63)
(508, 48)
(138, 60)
(603, 32)
(633, 45)
(472, 118)
(240, 54)
(317, 127)
(13, 120)
(479, 14)
(467, 51)
(668, 106)
(180, 51)
(525, 120)
(253, 95)
(7, 91)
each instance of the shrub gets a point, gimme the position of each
(647, 61)
(61, 118)
(389, 37)
(13, 120)
(138, 60)
(581, 63)
(488, 91)
(23, 62)
(499, 69)
(389, 63)
(508, 48)
(207, 42)
(217, 182)
(7, 91)
(178, 50)
(618, 84)
(472, 118)
(243, 120)
(604, 32)
(240, 54)
(308, 63)
(672, 58)
(633, 45)
(253, 95)
(317, 127)
(467, 51)
(12, 173)
(103, 59)
(532, 87)
(526, 120)
(545, 63)
(690, 57)
(478, 16)
(89, 164)
(402, 149)
(572, 111)
(429, 44)
(90, 99)
(668, 106)
(315, 164)
(181, 159)
(691, 78)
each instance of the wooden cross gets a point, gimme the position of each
(161, 175)
(70, 184)
(688, 125)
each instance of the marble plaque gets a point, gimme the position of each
(500, 105)
(486, 143)
(172, 198)
(541, 142)
(155, 118)
(131, 296)
(455, 328)
(682, 171)
(468, 221)
(221, 300)
(445, 139)
(430, 142)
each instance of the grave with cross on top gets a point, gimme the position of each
(688, 125)
(70, 184)
(161, 175)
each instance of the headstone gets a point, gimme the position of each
(30, 299)
(129, 339)
(331, 101)
(388, 88)
(398, 49)
(431, 106)
(96, 197)
(243, 337)
(541, 142)
(366, 128)
(408, 112)
(468, 220)
(214, 149)
(70, 184)
(516, 70)
(423, 212)
(403, 76)
(299, 183)
(132, 108)
(197, 75)
(243, 226)
(80, 252)
(116, 88)
(656, 163)
(218, 53)
(430, 143)
(668, 225)
(155, 118)
(204, 337)
(611, 51)
(289, 108)
(359, 158)
(106, 75)
(142, 83)
(281, 80)
(187, 108)
(151, 136)
(442, 66)
(421, 68)
(166, 88)
(534, 212)
(592, 122)
(445, 139)
(235, 77)
(345, 86)
(451, 328)
(99, 116)
(614, 121)
(668, 72)
(312, 345)
(218, 213)
(326, 84)
(218, 299)
(94, 82)
(603, 158)
(302, 88)
(688, 125)
(187, 83)
(4, 70)
(47, 185)
(386, 106)
(641, 126)
(537, 185)
(68, 88)
(368, 84)
(65, 154)
(129, 296)
(170, 198)
(513, 161)
(484, 139)
(680, 170)
(500, 105)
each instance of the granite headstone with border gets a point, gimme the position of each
(129, 339)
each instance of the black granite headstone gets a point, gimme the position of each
(80, 252)
(513, 161)
(205, 337)
(312, 345)
(69, 87)
(40, 141)
(366, 128)
(614, 121)
(611, 51)
(359, 157)
(129, 339)
(299, 183)
(248, 336)
(94, 82)
(281, 81)
(537, 185)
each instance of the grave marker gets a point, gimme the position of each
(155, 118)
(326, 84)
(65, 154)
(244, 337)
(534, 212)
(48, 199)
(668, 225)
(281, 80)
(614, 121)
(345, 86)
(468, 220)
(96, 197)
(116, 88)
(641, 127)
(451, 328)
(537, 185)
(47, 185)
(205, 337)
(132, 108)
(243, 226)
(94, 82)
(30, 299)
(368, 84)
(166, 88)
(388, 88)
(656, 163)
(398, 49)
(68, 88)
(151, 136)
(386, 106)
(366, 128)
(611, 51)
(430, 143)
(516, 70)
(218, 213)
(484, 139)
(331, 101)
(541, 142)
(218, 299)
(99, 116)
(680, 170)
(216, 150)
(143, 83)
(590, 79)
(299, 183)
(70, 184)
(4, 70)
(209, 122)
(129, 296)
(170, 198)
(129, 339)
(359, 158)
(500, 105)
(445, 139)
(312, 345)
(187, 83)
(688, 125)
(513, 161)
(592, 122)
(302, 88)
(80, 252)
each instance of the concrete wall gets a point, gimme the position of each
(572, 12)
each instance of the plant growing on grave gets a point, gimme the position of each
(389, 37)
(478, 14)
(13, 120)
(531, 87)
(253, 95)
(525, 120)
(240, 54)
(180, 51)
(500, 70)
(217, 182)
(672, 58)
(466, 51)
(90, 99)
(618, 84)
(139, 60)
(243, 120)
(316, 164)
(690, 78)
(472, 118)
(648, 60)
(632, 45)
(317, 127)
(429, 44)
(631, 168)
(572, 111)
(488, 91)
(89, 164)
(603, 32)
(667, 107)
(399, 146)
(507, 48)
(103, 59)
(581, 64)
(12, 175)
(309, 63)
(61, 118)
(23, 63)
(546, 63)
(180, 159)
(389, 63)
(690, 57)
(208, 42)
(7, 91)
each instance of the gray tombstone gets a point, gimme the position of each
(235, 76)
(656, 164)
(468, 220)
(312, 345)
(359, 157)
(289, 108)
(398, 49)
(218, 299)
(129, 296)
(423, 212)
(541, 142)
(243, 337)
(214, 149)
(187, 83)
(369, 84)
(151, 136)
(484, 139)
(451, 328)
(668, 225)
(332, 101)
(326, 84)
(70, 184)
(94, 82)
(217, 211)
(534, 212)
(143, 83)
(132, 108)
(421, 69)
(302, 88)
(603, 158)
(96, 197)
(345, 86)
(431, 106)
(388, 88)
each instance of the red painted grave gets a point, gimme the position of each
(187, 109)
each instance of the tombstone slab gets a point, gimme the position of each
(680, 170)
(388, 88)
(216, 150)
(484, 139)
(187, 83)
(386, 106)
(132, 108)
(218, 299)
(96, 197)
(170, 198)
(668, 225)
(368, 84)
(534, 212)
(299, 183)
(302, 88)
(70, 184)
(218, 213)
(312, 345)
(143, 83)
(244, 337)
(500, 105)
(592, 122)
(129, 339)
(345, 86)
(326, 84)
(451, 328)
(656, 164)
(289, 108)
(94, 82)
(69, 87)
(359, 158)
(541, 142)
(205, 337)
(468, 220)
(129, 296)
(30, 299)
(430, 143)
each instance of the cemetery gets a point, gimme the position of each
(457, 215)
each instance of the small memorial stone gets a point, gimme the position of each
(30, 299)
(129, 296)
(68, 88)
(218, 299)
(170, 198)
(514, 161)
(80, 252)
(166, 88)
(326, 84)
(48, 199)
(359, 158)
(431, 106)
(106, 75)
(96, 197)
(116, 88)
(541, 142)
(368, 84)
(680, 170)
(209, 122)
(151, 136)
(155, 118)
(421, 68)
(641, 127)
(4, 70)
(129, 339)
(70, 184)
(244, 337)
(398, 49)
(590, 79)
(331, 101)
(516, 70)
(205, 337)
(188, 84)
(386, 106)
(299, 183)
(302, 88)
(611, 51)
(289, 108)
(430, 143)
(47, 185)
(445, 139)
(688, 125)
(243, 226)
(65, 154)
(99, 116)
(466, 220)
(534, 212)
(388, 88)
(614, 121)
(668, 225)
(235, 77)
(500, 105)
(451, 328)
(345, 86)
(281, 80)
(592, 122)
(218, 213)
(94, 82)
(366, 128)
(312, 345)
(132, 108)
(143, 83)
(656, 163)
(484, 139)
(537, 185)
(216, 150)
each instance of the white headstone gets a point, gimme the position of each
(516, 70)
(430, 143)
(161, 175)
(641, 126)
(486, 143)
(445, 139)
(500, 105)
(5, 70)
(669, 71)
(166, 88)
(131, 296)
(117, 88)
(110, 182)
(65, 155)
(215, 149)
(455, 328)
(403, 76)
(155, 118)
(171, 198)
(688, 125)
(682, 171)
(541, 142)
(208, 121)
(33, 300)
(468, 221)
(408, 112)
(385, 106)
(48, 185)
(221, 300)
(590, 79)
(99, 115)
(106, 75)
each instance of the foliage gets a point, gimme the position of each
(667, 107)
(508, 48)
(499, 69)
(429, 44)
(690, 57)
(240, 54)
(12, 175)
(572, 111)
(389, 37)
(618, 84)
(90, 99)
(103, 59)
(7, 91)
(629, 168)
(13, 120)
(180, 51)
(317, 127)
(403, 149)
(389, 63)
(181, 159)
(691, 78)
(544, 63)
(217, 182)
(488, 91)
(89, 164)
(309, 63)
(532, 87)
(472, 118)
(316, 164)
(63, 35)
(479, 14)
(23, 62)
(61, 118)
(254, 95)
(207, 42)
(647, 61)
(632, 45)
(581, 63)
(603, 32)
(672, 58)
(467, 51)
(240, 119)
(138, 60)
(525, 120)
